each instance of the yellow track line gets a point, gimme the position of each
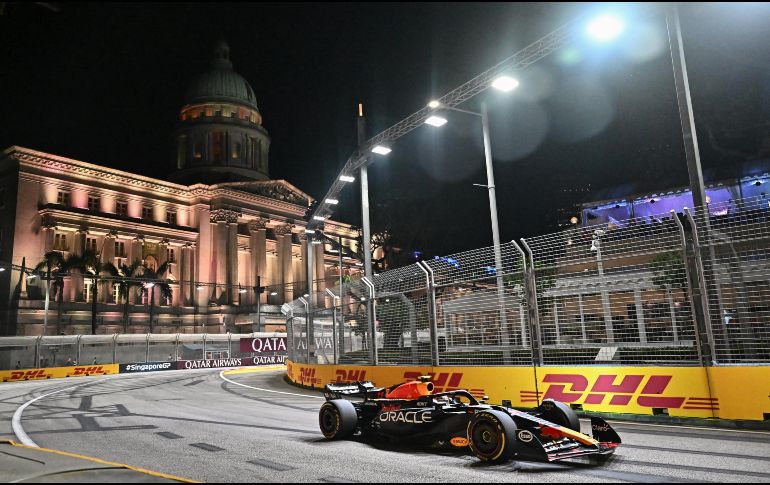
(248, 370)
(102, 462)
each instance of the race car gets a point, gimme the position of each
(411, 412)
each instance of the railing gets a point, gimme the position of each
(689, 288)
(65, 350)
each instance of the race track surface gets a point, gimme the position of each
(251, 426)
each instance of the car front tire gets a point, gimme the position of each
(492, 435)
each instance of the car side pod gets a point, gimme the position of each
(338, 419)
(492, 435)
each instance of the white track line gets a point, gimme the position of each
(222, 375)
(18, 430)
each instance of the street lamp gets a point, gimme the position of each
(505, 84)
(605, 27)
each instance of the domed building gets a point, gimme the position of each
(221, 225)
(220, 137)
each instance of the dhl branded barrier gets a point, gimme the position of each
(57, 372)
(695, 392)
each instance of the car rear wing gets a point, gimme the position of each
(352, 389)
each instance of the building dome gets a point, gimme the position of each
(220, 137)
(221, 83)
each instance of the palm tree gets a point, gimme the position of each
(91, 264)
(165, 289)
(124, 285)
(54, 265)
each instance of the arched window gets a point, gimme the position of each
(181, 151)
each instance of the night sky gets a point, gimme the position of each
(104, 83)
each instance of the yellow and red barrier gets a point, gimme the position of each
(57, 372)
(695, 392)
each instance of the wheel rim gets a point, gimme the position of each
(329, 421)
(486, 438)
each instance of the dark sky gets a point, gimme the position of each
(104, 83)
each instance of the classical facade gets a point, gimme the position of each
(222, 226)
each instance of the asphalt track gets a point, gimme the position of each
(251, 426)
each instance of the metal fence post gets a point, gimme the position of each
(230, 344)
(77, 349)
(372, 314)
(700, 293)
(115, 348)
(38, 345)
(692, 282)
(205, 336)
(334, 324)
(176, 348)
(432, 312)
(532, 306)
(307, 329)
(146, 348)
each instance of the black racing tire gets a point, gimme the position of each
(559, 413)
(338, 419)
(492, 435)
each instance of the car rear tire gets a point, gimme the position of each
(559, 413)
(492, 435)
(338, 419)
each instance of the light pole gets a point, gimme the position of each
(503, 83)
(596, 245)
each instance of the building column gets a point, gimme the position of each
(319, 267)
(258, 246)
(106, 294)
(283, 237)
(77, 277)
(232, 263)
(186, 275)
(135, 254)
(49, 229)
(300, 271)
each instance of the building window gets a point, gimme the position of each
(171, 217)
(91, 244)
(88, 285)
(181, 151)
(60, 242)
(93, 203)
(145, 296)
(254, 152)
(120, 249)
(217, 147)
(236, 150)
(121, 208)
(116, 294)
(170, 257)
(63, 198)
(198, 150)
(147, 213)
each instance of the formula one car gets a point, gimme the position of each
(412, 413)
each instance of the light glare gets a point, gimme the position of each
(332, 201)
(381, 150)
(505, 83)
(434, 104)
(347, 178)
(319, 218)
(605, 27)
(435, 121)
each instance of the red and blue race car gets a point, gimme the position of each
(455, 419)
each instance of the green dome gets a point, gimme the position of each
(221, 83)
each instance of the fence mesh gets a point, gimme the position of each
(734, 239)
(669, 289)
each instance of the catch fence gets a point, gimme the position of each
(689, 288)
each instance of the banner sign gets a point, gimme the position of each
(235, 362)
(147, 367)
(56, 372)
(263, 344)
(728, 393)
